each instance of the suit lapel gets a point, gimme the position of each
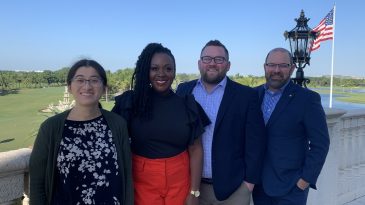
(285, 98)
(227, 98)
(261, 93)
(191, 86)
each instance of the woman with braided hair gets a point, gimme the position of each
(165, 132)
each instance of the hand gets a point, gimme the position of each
(249, 186)
(191, 200)
(301, 184)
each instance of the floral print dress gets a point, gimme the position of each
(87, 167)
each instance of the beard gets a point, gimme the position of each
(214, 78)
(276, 81)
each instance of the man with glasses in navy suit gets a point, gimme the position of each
(234, 142)
(297, 135)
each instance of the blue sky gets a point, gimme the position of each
(40, 34)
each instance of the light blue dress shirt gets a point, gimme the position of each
(210, 103)
(270, 100)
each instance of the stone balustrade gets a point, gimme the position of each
(14, 176)
(343, 175)
(342, 178)
(351, 169)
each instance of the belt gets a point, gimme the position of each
(207, 180)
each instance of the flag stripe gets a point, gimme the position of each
(325, 29)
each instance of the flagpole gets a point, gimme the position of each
(333, 52)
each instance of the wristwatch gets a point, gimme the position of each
(195, 193)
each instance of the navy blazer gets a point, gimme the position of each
(238, 140)
(297, 140)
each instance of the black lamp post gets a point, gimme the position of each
(301, 39)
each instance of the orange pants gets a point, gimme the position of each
(163, 181)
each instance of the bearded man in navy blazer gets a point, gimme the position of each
(234, 142)
(297, 135)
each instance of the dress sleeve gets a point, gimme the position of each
(123, 105)
(197, 118)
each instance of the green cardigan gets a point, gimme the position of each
(42, 164)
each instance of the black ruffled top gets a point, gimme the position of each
(174, 124)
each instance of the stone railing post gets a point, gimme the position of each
(327, 181)
(13, 166)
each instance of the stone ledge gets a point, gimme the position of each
(13, 175)
(15, 160)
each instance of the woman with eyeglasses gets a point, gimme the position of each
(165, 132)
(82, 156)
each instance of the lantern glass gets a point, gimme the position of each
(302, 48)
(301, 40)
(311, 37)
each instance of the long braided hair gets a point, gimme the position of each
(141, 84)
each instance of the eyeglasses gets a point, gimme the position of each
(217, 59)
(280, 66)
(94, 81)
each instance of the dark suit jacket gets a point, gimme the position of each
(297, 120)
(238, 139)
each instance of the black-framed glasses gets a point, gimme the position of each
(217, 59)
(280, 65)
(94, 81)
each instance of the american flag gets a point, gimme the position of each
(325, 28)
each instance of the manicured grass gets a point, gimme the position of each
(353, 98)
(20, 117)
(107, 105)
